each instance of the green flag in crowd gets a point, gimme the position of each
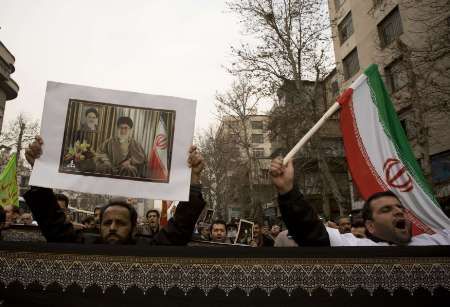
(8, 184)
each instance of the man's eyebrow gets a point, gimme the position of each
(390, 205)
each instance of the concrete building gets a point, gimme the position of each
(409, 40)
(252, 134)
(8, 87)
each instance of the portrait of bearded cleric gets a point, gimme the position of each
(117, 141)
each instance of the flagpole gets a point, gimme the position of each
(311, 132)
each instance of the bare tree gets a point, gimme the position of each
(19, 133)
(288, 47)
(236, 108)
(217, 155)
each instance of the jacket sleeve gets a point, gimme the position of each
(301, 220)
(179, 229)
(50, 217)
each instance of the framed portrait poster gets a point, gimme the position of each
(115, 142)
(245, 232)
(208, 218)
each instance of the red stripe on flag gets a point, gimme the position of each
(156, 167)
(363, 173)
(163, 219)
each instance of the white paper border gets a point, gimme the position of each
(45, 172)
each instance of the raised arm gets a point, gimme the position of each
(300, 218)
(44, 206)
(179, 229)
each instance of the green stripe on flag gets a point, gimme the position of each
(8, 184)
(394, 130)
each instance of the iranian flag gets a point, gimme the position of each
(379, 155)
(164, 212)
(158, 154)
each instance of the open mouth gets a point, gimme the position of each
(400, 224)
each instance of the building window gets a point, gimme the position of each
(2, 112)
(396, 76)
(338, 4)
(234, 212)
(345, 28)
(234, 137)
(24, 181)
(404, 126)
(406, 117)
(233, 125)
(377, 3)
(257, 138)
(258, 152)
(334, 88)
(390, 27)
(440, 167)
(351, 64)
(257, 124)
(265, 175)
(332, 147)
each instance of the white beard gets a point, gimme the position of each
(123, 138)
(92, 126)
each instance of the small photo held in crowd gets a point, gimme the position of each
(117, 141)
(208, 216)
(245, 232)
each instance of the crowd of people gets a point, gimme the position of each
(219, 231)
(381, 222)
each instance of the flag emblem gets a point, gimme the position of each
(161, 141)
(378, 152)
(158, 158)
(397, 176)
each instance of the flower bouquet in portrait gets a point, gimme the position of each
(80, 157)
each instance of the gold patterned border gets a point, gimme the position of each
(186, 273)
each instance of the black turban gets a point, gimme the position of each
(125, 120)
(91, 110)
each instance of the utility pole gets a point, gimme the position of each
(19, 141)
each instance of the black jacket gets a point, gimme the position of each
(52, 220)
(302, 220)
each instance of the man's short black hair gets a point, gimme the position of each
(232, 225)
(341, 217)
(366, 211)
(218, 222)
(153, 210)
(98, 208)
(124, 204)
(63, 197)
(358, 223)
(125, 120)
(91, 110)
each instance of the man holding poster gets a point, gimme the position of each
(140, 139)
(118, 219)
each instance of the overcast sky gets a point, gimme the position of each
(164, 47)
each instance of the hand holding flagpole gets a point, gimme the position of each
(311, 132)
